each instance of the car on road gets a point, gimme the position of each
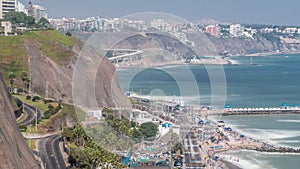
(227, 128)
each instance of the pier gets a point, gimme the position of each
(283, 109)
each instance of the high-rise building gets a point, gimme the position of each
(20, 7)
(7, 6)
(37, 11)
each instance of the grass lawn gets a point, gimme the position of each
(24, 116)
(66, 110)
(40, 104)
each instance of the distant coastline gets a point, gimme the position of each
(217, 60)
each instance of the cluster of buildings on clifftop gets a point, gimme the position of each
(36, 11)
(103, 24)
(6, 6)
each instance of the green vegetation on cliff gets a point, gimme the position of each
(53, 44)
(14, 55)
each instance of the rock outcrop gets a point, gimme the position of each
(14, 152)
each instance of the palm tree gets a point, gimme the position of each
(12, 77)
(78, 134)
(24, 78)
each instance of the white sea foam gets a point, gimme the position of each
(270, 134)
(237, 125)
(243, 163)
(234, 62)
(247, 160)
(289, 121)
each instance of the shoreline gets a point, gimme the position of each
(216, 60)
(229, 165)
(231, 140)
(209, 61)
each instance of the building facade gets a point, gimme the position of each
(37, 11)
(213, 30)
(7, 6)
(236, 30)
(20, 7)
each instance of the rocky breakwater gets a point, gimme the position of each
(274, 149)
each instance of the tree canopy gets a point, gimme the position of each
(43, 23)
(149, 129)
(19, 19)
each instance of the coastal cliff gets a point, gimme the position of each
(50, 57)
(241, 46)
(14, 153)
(188, 44)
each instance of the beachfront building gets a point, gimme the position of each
(95, 113)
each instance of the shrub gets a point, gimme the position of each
(28, 97)
(23, 128)
(47, 114)
(47, 101)
(35, 98)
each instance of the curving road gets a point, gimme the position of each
(50, 153)
(30, 119)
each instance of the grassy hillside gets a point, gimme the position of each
(53, 44)
(14, 56)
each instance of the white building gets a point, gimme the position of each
(290, 30)
(159, 24)
(95, 113)
(7, 27)
(7, 6)
(37, 11)
(20, 7)
(236, 30)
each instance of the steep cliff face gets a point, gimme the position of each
(242, 46)
(58, 77)
(160, 47)
(157, 47)
(14, 152)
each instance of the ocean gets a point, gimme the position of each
(268, 82)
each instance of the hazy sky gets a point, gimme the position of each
(285, 12)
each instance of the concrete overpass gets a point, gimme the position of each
(123, 55)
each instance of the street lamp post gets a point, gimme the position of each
(36, 119)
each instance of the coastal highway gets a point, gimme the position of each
(50, 153)
(30, 119)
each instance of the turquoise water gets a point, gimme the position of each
(271, 81)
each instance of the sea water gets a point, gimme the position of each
(268, 82)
